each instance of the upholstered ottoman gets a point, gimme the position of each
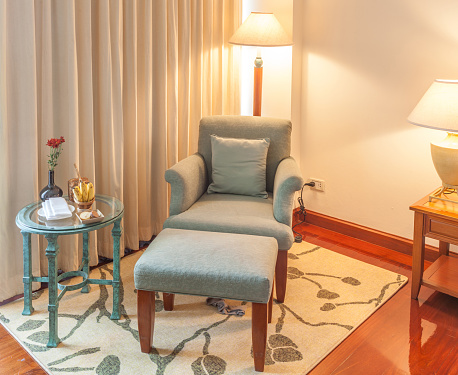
(223, 265)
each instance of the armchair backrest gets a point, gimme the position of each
(248, 127)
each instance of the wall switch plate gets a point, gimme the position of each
(319, 184)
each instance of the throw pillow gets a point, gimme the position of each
(239, 166)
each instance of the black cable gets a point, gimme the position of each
(298, 237)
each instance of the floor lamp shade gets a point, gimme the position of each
(438, 109)
(260, 30)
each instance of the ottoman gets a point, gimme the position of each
(212, 264)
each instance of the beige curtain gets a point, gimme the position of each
(125, 82)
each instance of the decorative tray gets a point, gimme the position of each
(91, 220)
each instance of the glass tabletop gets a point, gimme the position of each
(31, 218)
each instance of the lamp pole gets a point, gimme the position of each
(257, 87)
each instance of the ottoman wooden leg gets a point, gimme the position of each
(168, 301)
(146, 308)
(259, 334)
(281, 273)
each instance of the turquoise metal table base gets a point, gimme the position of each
(27, 279)
(26, 220)
(116, 233)
(85, 265)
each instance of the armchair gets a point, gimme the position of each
(191, 207)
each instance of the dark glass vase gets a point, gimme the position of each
(50, 190)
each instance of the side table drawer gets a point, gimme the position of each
(441, 229)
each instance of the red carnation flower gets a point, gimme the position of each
(56, 149)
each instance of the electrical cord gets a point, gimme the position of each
(298, 237)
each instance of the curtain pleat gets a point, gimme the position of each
(129, 105)
(19, 153)
(184, 67)
(126, 83)
(159, 139)
(144, 116)
(196, 62)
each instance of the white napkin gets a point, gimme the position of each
(56, 208)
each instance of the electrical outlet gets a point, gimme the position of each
(319, 184)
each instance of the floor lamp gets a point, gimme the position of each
(260, 30)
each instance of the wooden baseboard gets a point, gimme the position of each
(376, 237)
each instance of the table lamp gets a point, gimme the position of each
(260, 30)
(438, 109)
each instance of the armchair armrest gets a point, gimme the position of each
(188, 181)
(287, 181)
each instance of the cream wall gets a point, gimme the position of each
(363, 65)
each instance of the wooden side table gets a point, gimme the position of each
(435, 219)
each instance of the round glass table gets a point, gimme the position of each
(31, 219)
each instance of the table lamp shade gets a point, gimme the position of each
(261, 30)
(438, 109)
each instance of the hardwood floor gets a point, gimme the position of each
(403, 337)
(14, 359)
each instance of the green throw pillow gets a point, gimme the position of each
(239, 166)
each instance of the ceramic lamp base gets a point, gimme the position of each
(445, 159)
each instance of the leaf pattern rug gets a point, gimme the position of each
(328, 296)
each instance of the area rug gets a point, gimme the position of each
(328, 296)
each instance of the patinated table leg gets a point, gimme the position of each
(27, 279)
(51, 253)
(87, 287)
(116, 233)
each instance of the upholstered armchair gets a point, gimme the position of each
(192, 207)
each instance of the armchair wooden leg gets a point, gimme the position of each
(269, 307)
(169, 300)
(259, 334)
(281, 273)
(146, 308)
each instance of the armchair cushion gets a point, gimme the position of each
(239, 166)
(231, 213)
